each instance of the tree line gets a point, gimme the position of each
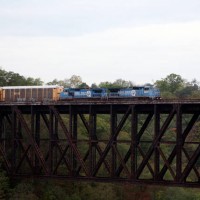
(172, 86)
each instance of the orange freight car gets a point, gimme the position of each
(30, 93)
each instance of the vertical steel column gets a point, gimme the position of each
(134, 142)
(2, 134)
(1, 127)
(32, 133)
(156, 133)
(113, 125)
(73, 131)
(19, 137)
(51, 141)
(53, 137)
(178, 143)
(56, 141)
(13, 140)
(37, 140)
(92, 138)
(4, 147)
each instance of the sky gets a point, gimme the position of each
(139, 41)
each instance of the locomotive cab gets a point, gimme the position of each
(151, 92)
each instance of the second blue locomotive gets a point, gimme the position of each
(137, 92)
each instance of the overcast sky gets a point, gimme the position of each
(137, 40)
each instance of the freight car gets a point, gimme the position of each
(30, 93)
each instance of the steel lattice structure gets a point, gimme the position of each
(148, 142)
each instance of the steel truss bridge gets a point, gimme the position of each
(146, 142)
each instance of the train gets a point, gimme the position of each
(59, 93)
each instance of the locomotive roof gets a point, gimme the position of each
(32, 87)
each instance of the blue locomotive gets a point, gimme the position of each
(70, 93)
(132, 92)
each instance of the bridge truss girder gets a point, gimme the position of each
(138, 143)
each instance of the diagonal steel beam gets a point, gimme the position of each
(32, 141)
(70, 140)
(156, 141)
(194, 167)
(83, 119)
(145, 125)
(184, 136)
(122, 162)
(6, 162)
(140, 133)
(111, 140)
(84, 122)
(63, 153)
(46, 120)
(190, 164)
(148, 164)
(166, 163)
(25, 155)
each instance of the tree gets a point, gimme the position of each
(119, 83)
(94, 85)
(32, 81)
(106, 85)
(14, 79)
(189, 92)
(170, 85)
(75, 81)
(122, 83)
(83, 85)
(4, 185)
(54, 82)
(23, 190)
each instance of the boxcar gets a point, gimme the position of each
(31, 93)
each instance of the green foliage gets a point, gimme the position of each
(73, 82)
(190, 91)
(106, 85)
(119, 83)
(94, 85)
(15, 79)
(174, 86)
(55, 82)
(23, 191)
(122, 83)
(4, 185)
(172, 193)
(98, 191)
(54, 192)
